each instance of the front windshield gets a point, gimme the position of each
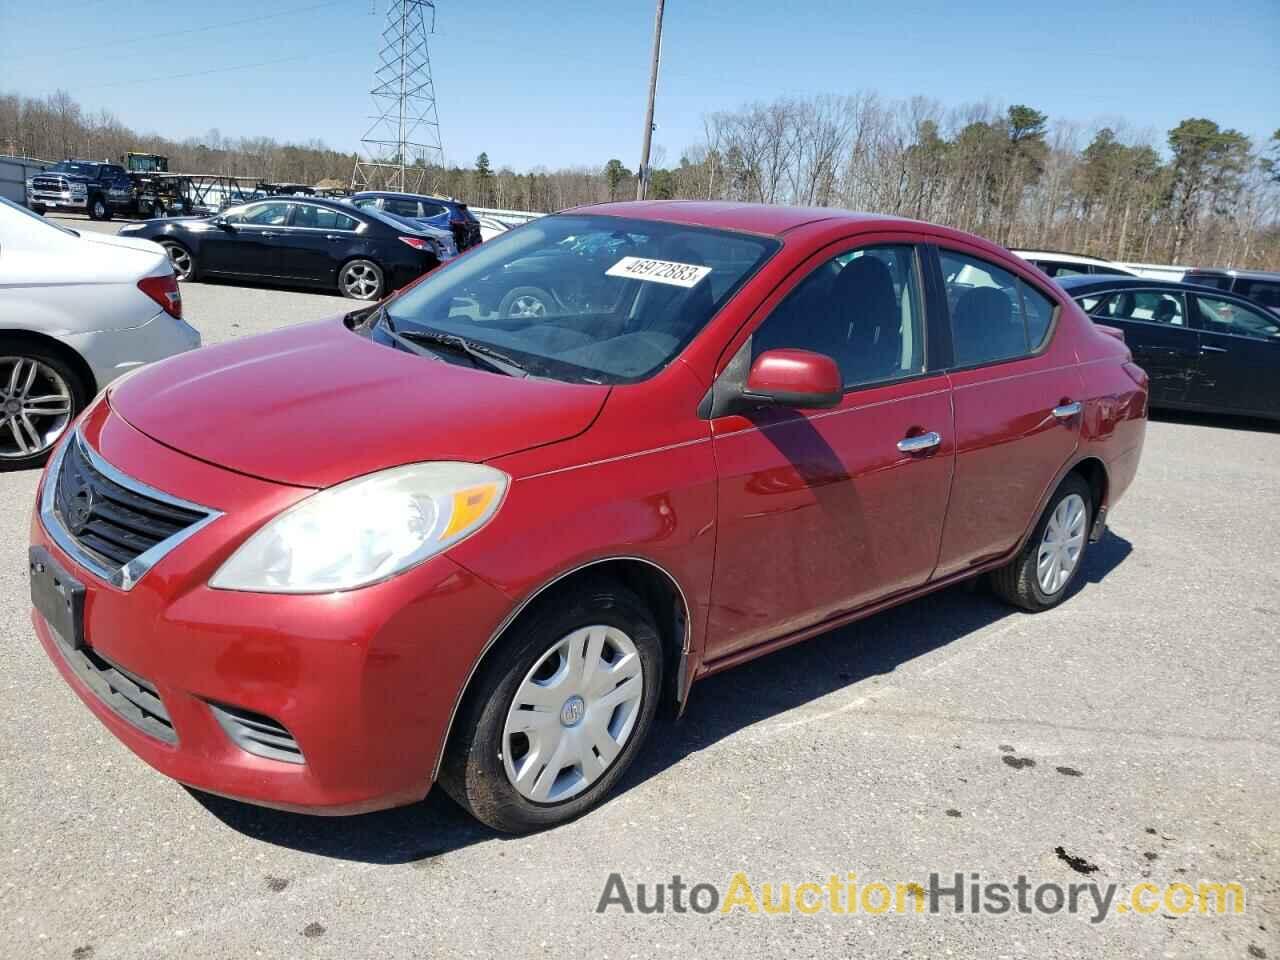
(70, 166)
(582, 298)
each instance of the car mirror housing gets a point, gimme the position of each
(794, 378)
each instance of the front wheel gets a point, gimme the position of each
(99, 209)
(558, 713)
(1039, 576)
(360, 280)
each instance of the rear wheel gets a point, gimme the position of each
(40, 394)
(1041, 574)
(361, 280)
(184, 264)
(559, 711)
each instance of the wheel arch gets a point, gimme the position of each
(653, 583)
(1095, 474)
(67, 353)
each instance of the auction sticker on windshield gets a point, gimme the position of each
(658, 271)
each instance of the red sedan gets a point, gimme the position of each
(478, 533)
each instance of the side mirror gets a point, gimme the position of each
(222, 223)
(794, 378)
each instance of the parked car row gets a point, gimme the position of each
(363, 252)
(558, 510)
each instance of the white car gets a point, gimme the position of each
(491, 227)
(1070, 264)
(76, 311)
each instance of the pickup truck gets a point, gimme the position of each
(99, 189)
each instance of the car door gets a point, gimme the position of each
(1158, 333)
(316, 242)
(1239, 367)
(823, 511)
(1016, 392)
(244, 242)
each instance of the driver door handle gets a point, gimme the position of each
(921, 443)
(332, 236)
(1068, 410)
(266, 233)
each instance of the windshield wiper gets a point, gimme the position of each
(389, 328)
(482, 355)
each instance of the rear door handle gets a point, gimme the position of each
(332, 236)
(1208, 349)
(921, 443)
(266, 233)
(1067, 410)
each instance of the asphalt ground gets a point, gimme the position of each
(1135, 729)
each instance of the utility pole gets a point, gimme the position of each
(642, 178)
(403, 141)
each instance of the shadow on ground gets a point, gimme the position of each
(1220, 420)
(719, 707)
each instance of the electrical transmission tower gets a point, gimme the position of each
(404, 139)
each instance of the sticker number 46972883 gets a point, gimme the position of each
(659, 271)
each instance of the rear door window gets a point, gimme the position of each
(401, 207)
(994, 314)
(1265, 292)
(1227, 316)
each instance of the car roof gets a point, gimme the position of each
(1079, 286)
(1245, 274)
(1061, 255)
(406, 196)
(757, 218)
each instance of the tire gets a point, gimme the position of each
(526, 302)
(182, 260)
(99, 209)
(361, 280)
(61, 389)
(1021, 583)
(483, 748)
(38, 208)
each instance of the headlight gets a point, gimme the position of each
(365, 530)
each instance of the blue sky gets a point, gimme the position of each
(563, 83)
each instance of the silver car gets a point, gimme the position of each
(77, 310)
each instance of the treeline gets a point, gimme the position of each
(1201, 195)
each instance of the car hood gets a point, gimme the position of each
(316, 404)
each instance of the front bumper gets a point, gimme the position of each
(364, 681)
(64, 201)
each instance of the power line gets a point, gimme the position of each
(151, 37)
(205, 73)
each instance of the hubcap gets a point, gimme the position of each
(360, 280)
(181, 261)
(35, 407)
(527, 306)
(572, 714)
(1061, 545)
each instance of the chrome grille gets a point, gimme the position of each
(114, 525)
(50, 184)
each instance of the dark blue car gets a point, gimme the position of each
(433, 211)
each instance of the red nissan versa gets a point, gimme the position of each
(476, 538)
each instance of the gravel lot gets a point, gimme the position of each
(889, 749)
